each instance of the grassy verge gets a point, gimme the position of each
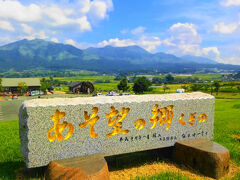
(10, 156)
(165, 176)
(227, 123)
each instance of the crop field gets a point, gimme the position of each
(206, 76)
(85, 78)
(226, 129)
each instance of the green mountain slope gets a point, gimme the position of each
(41, 54)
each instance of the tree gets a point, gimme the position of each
(156, 80)
(123, 85)
(231, 84)
(22, 87)
(211, 88)
(45, 85)
(195, 87)
(169, 78)
(165, 87)
(206, 87)
(217, 85)
(1, 85)
(141, 84)
(185, 87)
(238, 87)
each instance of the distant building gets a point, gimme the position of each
(180, 90)
(81, 87)
(11, 84)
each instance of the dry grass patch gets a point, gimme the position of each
(237, 137)
(157, 168)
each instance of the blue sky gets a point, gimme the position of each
(208, 28)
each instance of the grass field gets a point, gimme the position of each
(85, 78)
(227, 123)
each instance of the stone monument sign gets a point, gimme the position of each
(60, 128)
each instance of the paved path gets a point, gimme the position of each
(9, 108)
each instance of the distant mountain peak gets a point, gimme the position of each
(38, 53)
(199, 59)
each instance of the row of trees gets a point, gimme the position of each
(212, 87)
(140, 85)
(169, 79)
(1, 85)
(44, 73)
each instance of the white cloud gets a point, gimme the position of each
(27, 29)
(39, 35)
(231, 3)
(6, 25)
(184, 28)
(54, 40)
(148, 43)
(138, 31)
(70, 42)
(231, 60)
(117, 42)
(168, 42)
(226, 29)
(184, 39)
(206, 51)
(96, 9)
(4, 40)
(84, 24)
(49, 14)
(15, 10)
(99, 8)
(59, 17)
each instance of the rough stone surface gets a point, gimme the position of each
(209, 158)
(92, 167)
(185, 109)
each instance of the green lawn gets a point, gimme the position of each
(227, 123)
(165, 176)
(10, 156)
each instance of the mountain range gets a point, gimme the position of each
(40, 54)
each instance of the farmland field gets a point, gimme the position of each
(227, 124)
(85, 78)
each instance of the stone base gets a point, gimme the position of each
(92, 167)
(209, 158)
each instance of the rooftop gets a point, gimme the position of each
(13, 82)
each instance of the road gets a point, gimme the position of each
(9, 108)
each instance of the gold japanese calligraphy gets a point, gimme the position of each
(139, 124)
(116, 122)
(166, 116)
(181, 121)
(58, 128)
(154, 119)
(163, 115)
(202, 117)
(90, 120)
(192, 119)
